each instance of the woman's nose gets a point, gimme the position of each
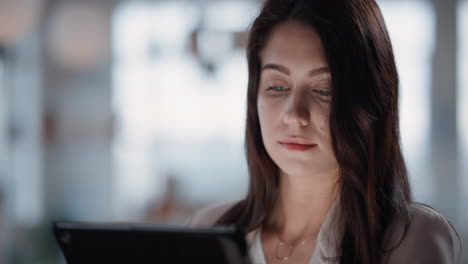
(297, 112)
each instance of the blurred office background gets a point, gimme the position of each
(126, 110)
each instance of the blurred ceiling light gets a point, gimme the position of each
(131, 32)
(147, 29)
(232, 15)
(17, 19)
(214, 46)
(79, 35)
(171, 23)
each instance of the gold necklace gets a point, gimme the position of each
(292, 247)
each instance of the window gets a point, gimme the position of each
(462, 102)
(411, 28)
(180, 106)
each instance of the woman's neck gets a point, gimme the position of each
(302, 205)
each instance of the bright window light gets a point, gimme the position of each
(462, 96)
(411, 28)
(175, 120)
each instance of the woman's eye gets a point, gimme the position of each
(324, 94)
(277, 88)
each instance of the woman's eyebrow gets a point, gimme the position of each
(319, 70)
(280, 68)
(285, 70)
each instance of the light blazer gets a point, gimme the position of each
(430, 239)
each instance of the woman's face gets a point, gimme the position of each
(294, 101)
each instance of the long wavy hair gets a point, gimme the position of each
(364, 123)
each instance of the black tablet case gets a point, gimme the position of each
(88, 243)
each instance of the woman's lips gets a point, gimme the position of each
(297, 147)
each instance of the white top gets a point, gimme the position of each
(257, 255)
(325, 250)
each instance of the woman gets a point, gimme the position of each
(328, 182)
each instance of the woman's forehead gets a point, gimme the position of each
(293, 44)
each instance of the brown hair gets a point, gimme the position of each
(363, 122)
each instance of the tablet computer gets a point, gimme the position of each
(88, 243)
